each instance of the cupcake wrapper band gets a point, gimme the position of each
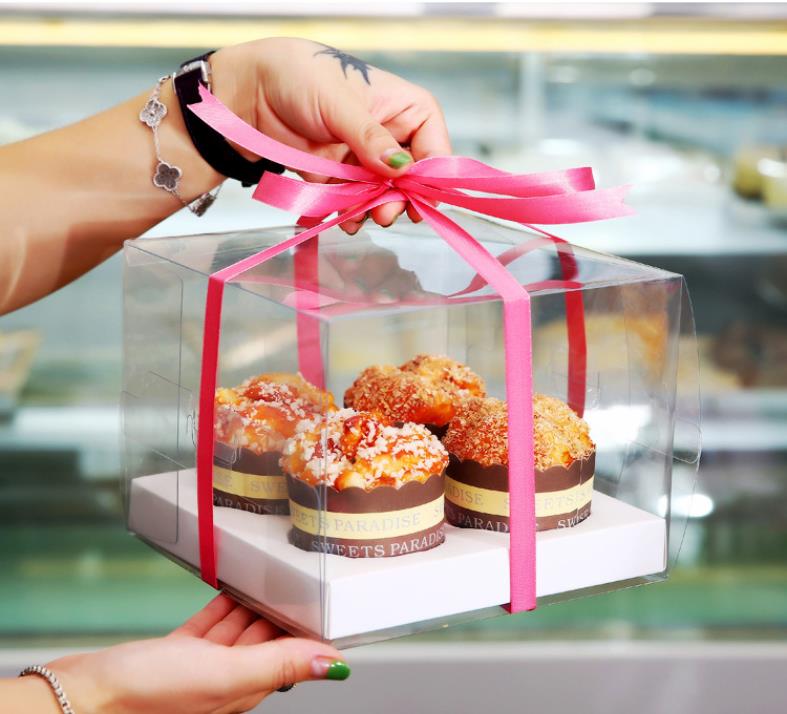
(250, 482)
(354, 523)
(465, 518)
(477, 496)
(379, 548)
(260, 506)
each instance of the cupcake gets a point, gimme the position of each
(361, 487)
(476, 493)
(426, 390)
(252, 423)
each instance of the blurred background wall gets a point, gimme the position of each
(686, 102)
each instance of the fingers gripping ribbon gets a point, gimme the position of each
(542, 198)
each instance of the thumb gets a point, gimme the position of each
(287, 660)
(374, 146)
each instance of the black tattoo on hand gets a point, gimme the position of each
(347, 60)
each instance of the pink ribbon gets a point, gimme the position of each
(544, 198)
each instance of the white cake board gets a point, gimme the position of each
(468, 572)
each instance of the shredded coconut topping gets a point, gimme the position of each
(263, 411)
(479, 431)
(426, 390)
(347, 448)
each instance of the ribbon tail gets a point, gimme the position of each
(462, 172)
(576, 380)
(205, 426)
(577, 207)
(576, 391)
(217, 116)
(309, 338)
(313, 200)
(519, 395)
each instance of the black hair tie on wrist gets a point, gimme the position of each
(212, 146)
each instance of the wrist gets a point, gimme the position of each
(235, 83)
(87, 693)
(178, 149)
(29, 694)
(233, 79)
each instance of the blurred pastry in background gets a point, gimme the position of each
(757, 354)
(747, 175)
(713, 379)
(774, 185)
(615, 341)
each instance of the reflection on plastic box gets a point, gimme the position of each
(381, 299)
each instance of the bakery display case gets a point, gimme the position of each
(688, 129)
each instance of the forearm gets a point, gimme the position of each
(27, 694)
(70, 197)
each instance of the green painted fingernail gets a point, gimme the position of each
(398, 159)
(327, 668)
(337, 670)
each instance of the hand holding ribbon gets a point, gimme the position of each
(544, 198)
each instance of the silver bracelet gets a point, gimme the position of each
(167, 176)
(54, 682)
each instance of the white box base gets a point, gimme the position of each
(468, 572)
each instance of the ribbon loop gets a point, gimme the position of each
(461, 172)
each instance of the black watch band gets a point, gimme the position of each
(212, 146)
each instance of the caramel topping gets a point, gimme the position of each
(447, 374)
(425, 390)
(264, 410)
(479, 431)
(361, 449)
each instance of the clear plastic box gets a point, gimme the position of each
(352, 561)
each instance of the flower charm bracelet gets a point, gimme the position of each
(167, 176)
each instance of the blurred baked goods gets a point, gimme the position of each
(757, 354)
(634, 338)
(747, 175)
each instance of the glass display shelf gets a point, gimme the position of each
(51, 572)
(72, 574)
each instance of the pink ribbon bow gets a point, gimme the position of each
(546, 198)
